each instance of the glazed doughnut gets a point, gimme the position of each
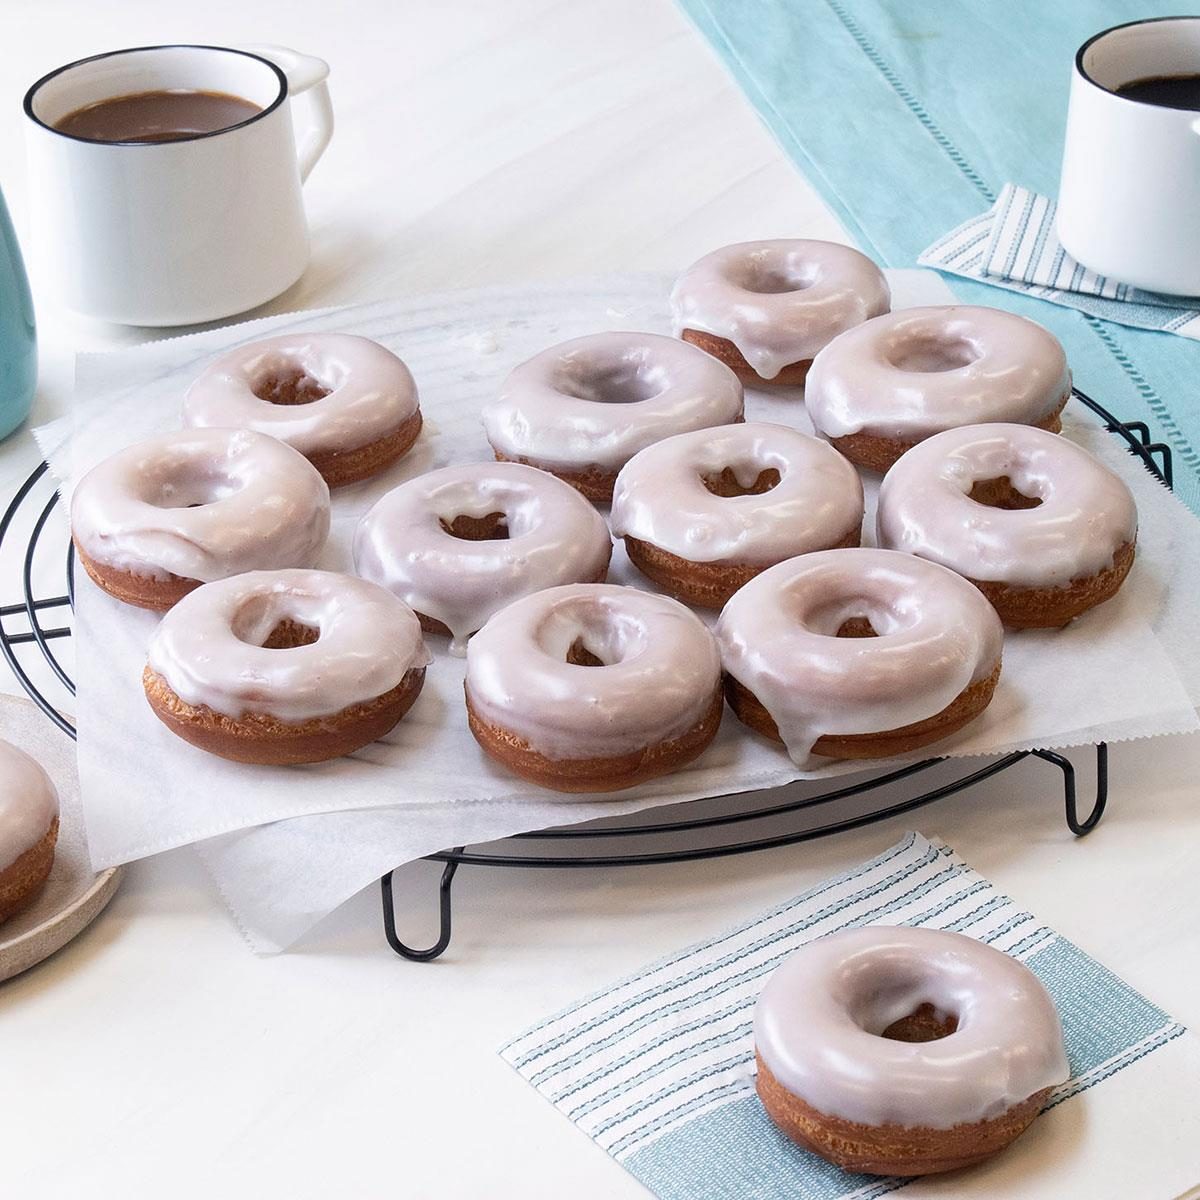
(766, 308)
(701, 513)
(28, 829)
(345, 402)
(161, 517)
(881, 388)
(581, 410)
(285, 666)
(593, 687)
(1041, 527)
(459, 544)
(905, 1051)
(858, 653)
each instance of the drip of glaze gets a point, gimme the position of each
(593, 670)
(202, 504)
(935, 634)
(822, 1028)
(594, 402)
(664, 496)
(1070, 517)
(295, 645)
(318, 392)
(779, 302)
(917, 371)
(407, 542)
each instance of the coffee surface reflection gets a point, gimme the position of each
(162, 116)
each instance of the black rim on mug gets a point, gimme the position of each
(190, 137)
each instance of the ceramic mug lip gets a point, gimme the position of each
(1082, 71)
(31, 94)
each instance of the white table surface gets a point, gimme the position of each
(478, 142)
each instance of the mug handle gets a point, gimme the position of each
(305, 75)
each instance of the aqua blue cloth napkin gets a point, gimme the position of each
(658, 1069)
(1014, 245)
(909, 118)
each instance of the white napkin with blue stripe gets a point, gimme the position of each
(659, 1068)
(1014, 245)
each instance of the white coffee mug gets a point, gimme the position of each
(1129, 202)
(176, 232)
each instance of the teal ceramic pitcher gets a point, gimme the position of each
(18, 337)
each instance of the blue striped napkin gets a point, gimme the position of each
(1014, 245)
(659, 1068)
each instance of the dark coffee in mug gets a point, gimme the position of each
(162, 116)
(1167, 91)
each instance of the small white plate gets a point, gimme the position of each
(75, 894)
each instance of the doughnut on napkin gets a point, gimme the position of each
(289, 844)
(659, 1068)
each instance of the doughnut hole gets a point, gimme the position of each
(288, 634)
(627, 381)
(924, 1024)
(880, 996)
(728, 483)
(930, 354)
(587, 632)
(490, 528)
(186, 484)
(764, 277)
(1001, 492)
(259, 622)
(853, 617)
(578, 655)
(856, 627)
(288, 383)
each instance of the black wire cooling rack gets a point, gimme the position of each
(33, 530)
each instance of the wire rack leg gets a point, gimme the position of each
(1077, 827)
(444, 910)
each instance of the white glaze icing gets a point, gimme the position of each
(818, 1022)
(917, 371)
(661, 670)
(779, 302)
(1086, 512)
(202, 504)
(936, 636)
(596, 401)
(370, 391)
(554, 536)
(209, 647)
(28, 803)
(660, 495)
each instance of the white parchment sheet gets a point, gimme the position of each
(312, 836)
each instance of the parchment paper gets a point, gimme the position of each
(1108, 676)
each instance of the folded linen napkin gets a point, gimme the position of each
(1014, 245)
(659, 1068)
